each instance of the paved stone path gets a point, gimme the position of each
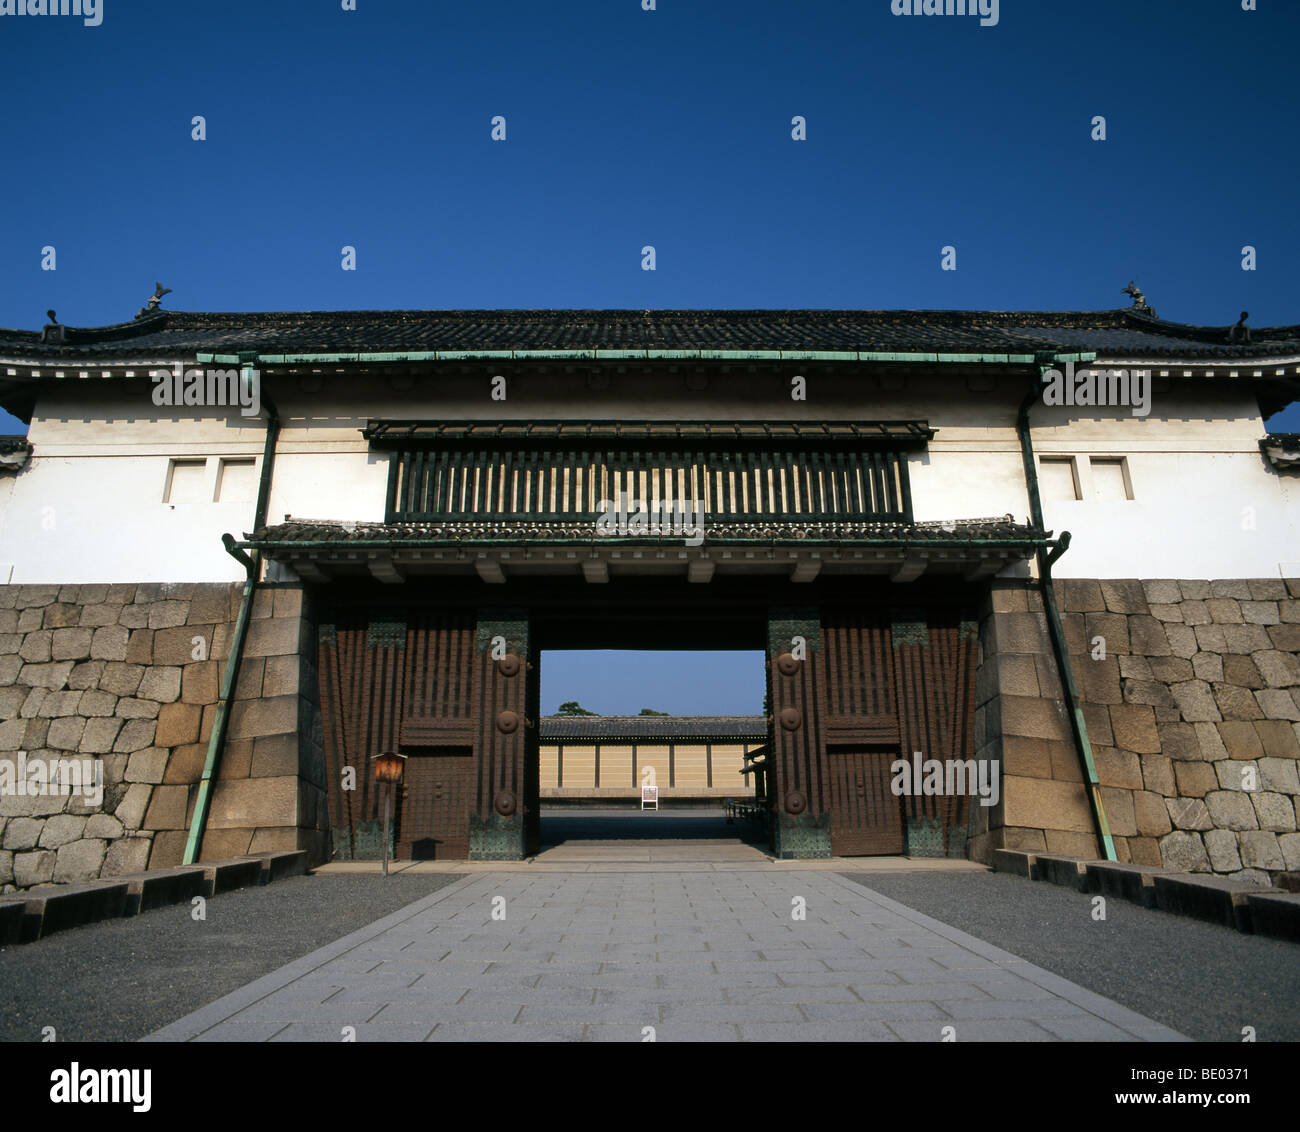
(697, 956)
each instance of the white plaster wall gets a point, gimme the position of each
(89, 507)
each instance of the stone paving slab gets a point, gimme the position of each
(676, 955)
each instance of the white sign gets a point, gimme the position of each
(650, 797)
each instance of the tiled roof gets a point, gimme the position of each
(336, 531)
(1112, 332)
(588, 727)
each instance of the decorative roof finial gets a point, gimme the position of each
(158, 292)
(1240, 333)
(1139, 299)
(52, 331)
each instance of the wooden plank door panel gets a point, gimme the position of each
(866, 817)
(433, 818)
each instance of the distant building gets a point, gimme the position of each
(688, 757)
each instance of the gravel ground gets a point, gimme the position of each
(118, 980)
(1203, 980)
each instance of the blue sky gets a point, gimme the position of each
(625, 127)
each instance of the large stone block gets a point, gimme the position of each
(1275, 704)
(176, 647)
(161, 683)
(22, 832)
(1120, 816)
(1285, 638)
(1117, 768)
(59, 703)
(1240, 740)
(1147, 636)
(109, 643)
(131, 810)
(277, 716)
(1162, 591)
(250, 802)
(1221, 845)
(1259, 850)
(80, 860)
(97, 616)
(70, 644)
(1207, 666)
(1188, 813)
(100, 735)
(35, 648)
(1158, 775)
(1195, 780)
(1231, 809)
(1224, 611)
(1099, 681)
(130, 708)
(178, 724)
(200, 683)
(1070, 843)
(1124, 595)
(1024, 633)
(1026, 758)
(86, 674)
(1150, 813)
(289, 600)
(135, 736)
(1134, 728)
(34, 867)
(1183, 851)
(1276, 668)
(1260, 612)
(65, 734)
(1042, 804)
(1182, 641)
(1180, 741)
(126, 855)
(52, 676)
(1245, 638)
(1281, 776)
(121, 679)
(1154, 693)
(284, 636)
(276, 756)
(147, 765)
(1274, 811)
(1241, 670)
(210, 604)
(1195, 701)
(168, 614)
(167, 808)
(60, 829)
(1236, 703)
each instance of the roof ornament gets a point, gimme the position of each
(1139, 299)
(51, 331)
(1240, 333)
(158, 292)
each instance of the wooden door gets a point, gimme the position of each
(866, 817)
(433, 819)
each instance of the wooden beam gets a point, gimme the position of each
(489, 570)
(911, 568)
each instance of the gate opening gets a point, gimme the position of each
(657, 747)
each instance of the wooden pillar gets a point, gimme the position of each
(505, 823)
(800, 795)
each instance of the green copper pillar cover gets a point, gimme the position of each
(801, 837)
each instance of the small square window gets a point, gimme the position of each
(185, 480)
(1058, 478)
(1110, 479)
(236, 480)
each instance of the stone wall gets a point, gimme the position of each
(1183, 685)
(130, 675)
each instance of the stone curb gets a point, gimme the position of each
(34, 914)
(1218, 900)
(1275, 914)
